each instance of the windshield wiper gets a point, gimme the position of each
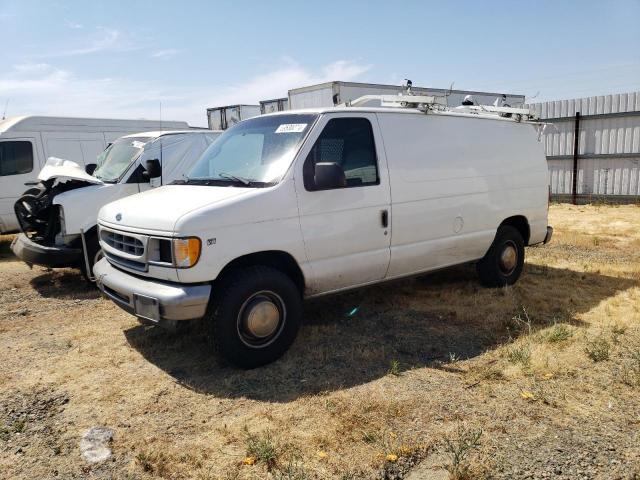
(234, 177)
(227, 179)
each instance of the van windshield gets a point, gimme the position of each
(116, 158)
(254, 153)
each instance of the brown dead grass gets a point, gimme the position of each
(360, 395)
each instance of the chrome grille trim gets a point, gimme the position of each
(124, 243)
(126, 263)
(124, 249)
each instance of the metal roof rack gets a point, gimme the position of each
(426, 103)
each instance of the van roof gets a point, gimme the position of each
(157, 133)
(37, 122)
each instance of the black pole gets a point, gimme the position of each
(576, 146)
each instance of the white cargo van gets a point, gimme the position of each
(26, 143)
(58, 216)
(304, 203)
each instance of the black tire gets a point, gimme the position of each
(498, 268)
(235, 308)
(94, 254)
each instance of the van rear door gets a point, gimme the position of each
(346, 230)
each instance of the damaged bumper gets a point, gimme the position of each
(35, 254)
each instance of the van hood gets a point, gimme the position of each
(64, 170)
(160, 208)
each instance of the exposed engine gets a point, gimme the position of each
(38, 217)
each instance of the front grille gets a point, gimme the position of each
(125, 262)
(123, 243)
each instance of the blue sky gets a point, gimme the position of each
(120, 59)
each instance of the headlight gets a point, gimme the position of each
(186, 251)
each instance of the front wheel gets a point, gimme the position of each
(503, 263)
(254, 317)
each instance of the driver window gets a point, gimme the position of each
(349, 143)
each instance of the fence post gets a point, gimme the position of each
(576, 147)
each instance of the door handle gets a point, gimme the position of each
(384, 218)
(30, 184)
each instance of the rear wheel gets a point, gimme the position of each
(254, 317)
(503, 263)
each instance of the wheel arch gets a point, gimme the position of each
(278, 259)
(520, 223)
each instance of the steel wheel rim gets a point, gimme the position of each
(261, 319)
(508, 260)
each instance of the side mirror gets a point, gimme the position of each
(153, 167)
(90, 168)
(329, 175)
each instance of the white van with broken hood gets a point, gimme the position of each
(58, 217)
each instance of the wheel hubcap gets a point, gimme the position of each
(508, 258)
(261, 318)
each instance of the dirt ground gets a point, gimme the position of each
(429, 378)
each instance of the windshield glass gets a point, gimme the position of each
(255, 152)
(116, 158)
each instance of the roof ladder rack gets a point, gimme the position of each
(409, 101)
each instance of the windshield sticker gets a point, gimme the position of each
(137, 144)
(291, 128)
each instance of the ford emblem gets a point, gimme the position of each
(119, 217)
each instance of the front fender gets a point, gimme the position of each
(81, 205)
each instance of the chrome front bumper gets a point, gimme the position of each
(176, 301)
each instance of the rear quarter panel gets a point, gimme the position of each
(453, 181)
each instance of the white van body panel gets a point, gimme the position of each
(342, 232)
(76, 139)
(454, 182)
(80, 205)
(231, 222)
(448, 180)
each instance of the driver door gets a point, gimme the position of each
(346, 230)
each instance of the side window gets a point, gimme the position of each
(16, 157)
(349, 143)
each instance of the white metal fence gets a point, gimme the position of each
(607, 160)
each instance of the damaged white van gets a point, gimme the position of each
(298, 204)
(27, 142)
(58, 217)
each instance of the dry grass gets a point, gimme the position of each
(363, 395)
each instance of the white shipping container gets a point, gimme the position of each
(221, 118)
(275, 105)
